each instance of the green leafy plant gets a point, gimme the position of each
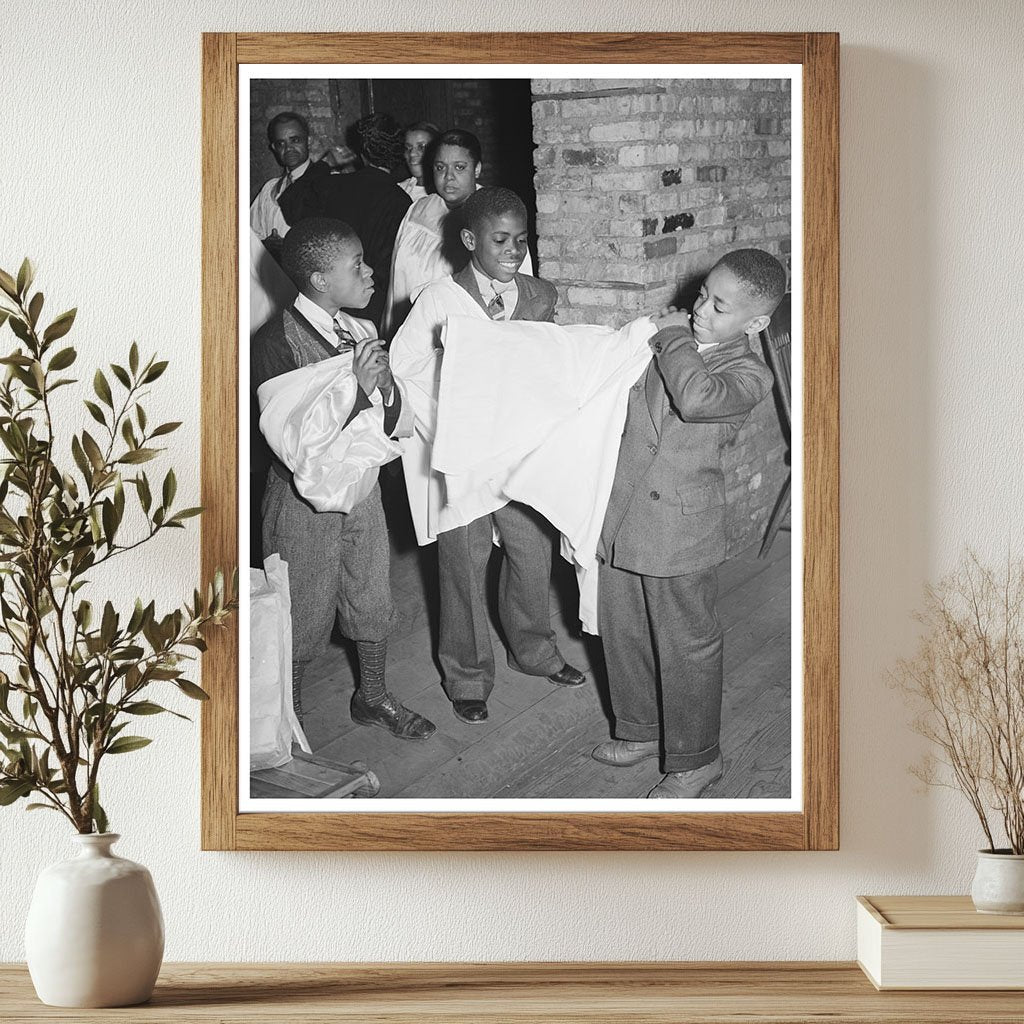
(967, 681)
(79, 672)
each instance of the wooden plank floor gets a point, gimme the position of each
(537, 741)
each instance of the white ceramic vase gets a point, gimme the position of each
(999, 883)
(95, 933)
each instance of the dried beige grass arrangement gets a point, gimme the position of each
(967, 680)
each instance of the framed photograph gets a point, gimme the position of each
(520, 396)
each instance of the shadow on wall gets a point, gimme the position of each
(887, 203)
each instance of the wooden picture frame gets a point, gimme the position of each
(816, 826)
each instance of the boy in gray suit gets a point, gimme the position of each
(664, 531)
(338, 562)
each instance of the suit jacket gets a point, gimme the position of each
(303, 198)
(536, 299)
(286, 342)
(666, 514)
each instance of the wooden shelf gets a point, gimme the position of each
(648, 993)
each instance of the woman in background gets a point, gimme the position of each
(418, 144)
(428, 246)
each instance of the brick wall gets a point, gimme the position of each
(472, 108)
(641, 186)
(330, 106)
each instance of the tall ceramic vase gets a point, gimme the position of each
(95, 934)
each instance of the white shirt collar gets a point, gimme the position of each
(300, 170)
(317, 316)
(488, 287)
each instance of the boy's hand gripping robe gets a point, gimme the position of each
(303, 416)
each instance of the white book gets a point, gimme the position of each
(938, 942)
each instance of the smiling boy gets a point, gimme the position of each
(338, 561)
(490, 286)
(664, 530)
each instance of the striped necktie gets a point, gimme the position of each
(496, 307)
(345, 339)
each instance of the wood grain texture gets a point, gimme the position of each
(817, 826)
(520, 48)
(537, 741)
(381, 831)
(953, 913)
(647, 993)
(219, 430)
(821, 441)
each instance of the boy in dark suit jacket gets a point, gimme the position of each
(490, 285)
(338, 562)
(664, 531)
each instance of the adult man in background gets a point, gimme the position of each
(279, 202)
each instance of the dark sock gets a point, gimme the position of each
(372, 656)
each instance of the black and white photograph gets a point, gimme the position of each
(523, 504)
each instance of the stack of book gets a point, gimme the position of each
(938, 942)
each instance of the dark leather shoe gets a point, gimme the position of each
(568, 676)
(393, 716)
(471, 711)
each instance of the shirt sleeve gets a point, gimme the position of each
(393, 412)
(362, 402)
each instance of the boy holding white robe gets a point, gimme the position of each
(664, 531)
(329, 410)
(489, 287)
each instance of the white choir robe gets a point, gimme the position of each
(302, 415)
(270, 289)
(415, 356)
(522, 411)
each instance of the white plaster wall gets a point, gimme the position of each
(99, 114)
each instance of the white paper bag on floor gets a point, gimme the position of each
(272, 721)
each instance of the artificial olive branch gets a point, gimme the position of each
(80, 675)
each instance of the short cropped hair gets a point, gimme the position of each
(760, 272)
(380, 139)
(466, 140)
(491, 201)
(283, 118)
(312, 246)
